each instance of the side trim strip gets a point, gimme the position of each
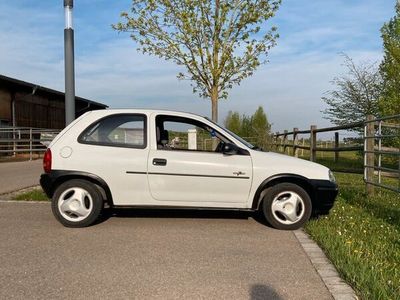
(188, 175)
(197, 175)
(133, 172)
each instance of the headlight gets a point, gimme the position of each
(331, 176)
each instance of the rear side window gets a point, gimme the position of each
(122, 130)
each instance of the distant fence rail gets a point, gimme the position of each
(281, 141)
(381, 139)
(25, 140)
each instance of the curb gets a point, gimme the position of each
(9, 196)
(22, 201)
(339, 289)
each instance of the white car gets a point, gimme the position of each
(167, 159)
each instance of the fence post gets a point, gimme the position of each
(14, 143)
(336, 146)
(313, 143)
(276, 141)
(369, 153)
(295, 140)
(30, 143)
(284, 140)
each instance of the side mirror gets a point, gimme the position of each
(230, 149)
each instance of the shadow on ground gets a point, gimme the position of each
(263, 292)
(179, 214)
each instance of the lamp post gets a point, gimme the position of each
(69, 63)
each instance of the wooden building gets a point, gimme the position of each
(24, 104)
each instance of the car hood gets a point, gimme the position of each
(275, 163)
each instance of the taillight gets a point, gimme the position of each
(47, 161)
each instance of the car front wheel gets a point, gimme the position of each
(286, 206)
(77, 203)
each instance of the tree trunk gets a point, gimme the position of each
(214, 113)
(214, 104)
(215, 77)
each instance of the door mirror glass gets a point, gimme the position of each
(230, 149)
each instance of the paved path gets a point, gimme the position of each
(19, 175)
(151, 255)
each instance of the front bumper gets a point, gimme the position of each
(325, 193)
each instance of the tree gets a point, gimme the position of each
(261, 127)
(218, 42)
(246, 128)
(356, 95)
(390, 66)
(255, 127)
(233, 122)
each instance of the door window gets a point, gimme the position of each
(178, 133)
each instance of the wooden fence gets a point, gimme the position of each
(375, 132)
(281, 140)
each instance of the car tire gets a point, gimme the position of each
(286, 206)
(77, 203)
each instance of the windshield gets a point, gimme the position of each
(234, 135)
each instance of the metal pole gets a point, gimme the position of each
(13, 123)
(379, 149)
(69, 63)
(30, 144)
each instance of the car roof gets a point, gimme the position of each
(144, 111)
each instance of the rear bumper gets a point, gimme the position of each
(325, 193)
(47, 181)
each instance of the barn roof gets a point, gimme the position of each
(17, 84)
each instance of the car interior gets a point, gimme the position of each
(176, 137)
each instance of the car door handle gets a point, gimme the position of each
(159, 162)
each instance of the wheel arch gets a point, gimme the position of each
(63, 176)
(282, 178)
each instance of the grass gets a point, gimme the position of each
(344, 164)
(361, 236)
(349, 161)
(33, 195)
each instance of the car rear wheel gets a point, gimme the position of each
(286, 206)
(77, 203)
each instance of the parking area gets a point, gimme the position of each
(136, 254)
(18, 175)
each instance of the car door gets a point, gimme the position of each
(185, 168)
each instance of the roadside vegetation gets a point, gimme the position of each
(255, 128)
(33, 195)
(361, 236)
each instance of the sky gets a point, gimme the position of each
(110, 70)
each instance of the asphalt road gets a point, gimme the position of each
(19, 175)
(150, 255)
